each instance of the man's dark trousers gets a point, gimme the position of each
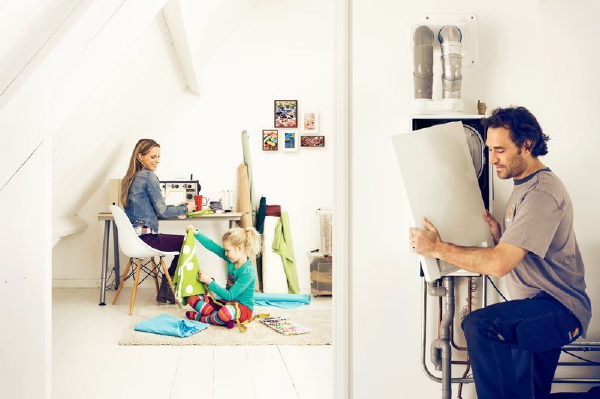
(514, 346)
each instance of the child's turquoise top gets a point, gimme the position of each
(240, 282)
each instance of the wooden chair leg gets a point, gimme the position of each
(123, 277)
(166, 272)
(136, 281)
(154, 273)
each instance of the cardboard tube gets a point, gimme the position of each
(245, 206)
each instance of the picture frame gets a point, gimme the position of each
(290, 140)
(286, 113)
(312, 141)
(310, 122)
(270, 140)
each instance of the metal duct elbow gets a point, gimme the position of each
(423, 62)
(450, 38)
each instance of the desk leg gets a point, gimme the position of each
(104, 262)
(116, 255)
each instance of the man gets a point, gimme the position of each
(514, 346)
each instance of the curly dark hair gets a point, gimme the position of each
(522, 126)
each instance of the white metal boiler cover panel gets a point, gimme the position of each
(440, 183)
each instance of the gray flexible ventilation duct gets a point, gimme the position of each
(476, 148)
(423, 62)
(450, 38)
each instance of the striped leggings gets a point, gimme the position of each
(208, 311)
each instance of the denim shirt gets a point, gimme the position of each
(145, 204)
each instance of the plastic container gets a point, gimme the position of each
(325, 222)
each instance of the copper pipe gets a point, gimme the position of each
(469, 308)
(468, 363)
(465, 374)
(461, 362)
(454, 345)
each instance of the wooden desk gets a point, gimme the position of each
(107, 218)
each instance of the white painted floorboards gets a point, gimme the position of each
(88, 363)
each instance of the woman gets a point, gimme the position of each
(144, 205)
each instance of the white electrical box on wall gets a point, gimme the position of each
(431, 107)
(437, 67)
(467, 23)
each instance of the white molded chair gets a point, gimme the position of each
(137, 250)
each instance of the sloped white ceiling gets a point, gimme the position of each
(61, 69)
(25, 28)
(55, 59)
(200, 28)
(58, 75)
(101, 129)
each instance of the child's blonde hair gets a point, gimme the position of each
(247, 237)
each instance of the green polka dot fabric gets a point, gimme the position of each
(185, 280)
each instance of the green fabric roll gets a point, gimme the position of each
(284, 247)
(186, 283)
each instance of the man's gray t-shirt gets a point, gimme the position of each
(539, 218)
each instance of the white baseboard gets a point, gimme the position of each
(95, 283)
(75, 283)
(92, 283)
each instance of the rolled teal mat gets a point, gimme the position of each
(284, 301)
(166, 324)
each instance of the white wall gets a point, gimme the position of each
(26, 312)
(278, 52)
(124, 104)
(541, 56)
(42, 57)
(271, 56)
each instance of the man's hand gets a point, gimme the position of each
(496, 261)
(425, 242)
(494, 225)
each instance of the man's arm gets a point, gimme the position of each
(497, 261)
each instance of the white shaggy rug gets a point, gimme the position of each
(318, 321)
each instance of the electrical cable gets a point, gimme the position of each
(111, 286)
(496, 288)
(580, 358)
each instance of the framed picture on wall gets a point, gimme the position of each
(290, 140)
(270, 140)
(286, 113)
(310, 122)
(312, 141)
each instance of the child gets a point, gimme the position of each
(237, 298)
